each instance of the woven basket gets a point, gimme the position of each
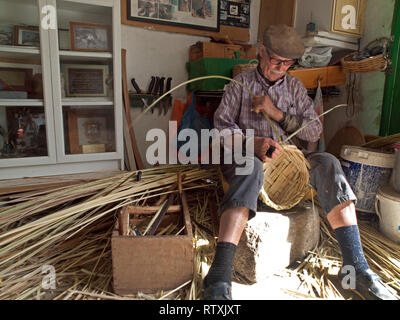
(286, 179)
(239, 68)
(376, 63)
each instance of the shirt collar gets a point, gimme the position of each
(267, 82)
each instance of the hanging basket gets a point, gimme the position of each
(286, 179)
(239, 68)
(375, 63)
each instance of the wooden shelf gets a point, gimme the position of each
(329, 76)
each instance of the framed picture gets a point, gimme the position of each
(27, 36)
(6, 35)
(16, 79)
(198, 14)
(89, 37)
(90, 131)
(85, 80)
(235, 13)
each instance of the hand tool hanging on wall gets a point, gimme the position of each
(168, 85)
(161, 88)
(135, 85)
(161, 104)
(151, 85)
(156, 86)
(168, 102)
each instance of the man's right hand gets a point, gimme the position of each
(261, 146)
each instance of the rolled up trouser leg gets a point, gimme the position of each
(328, 179)
(243, 188)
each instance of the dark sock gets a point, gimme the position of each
(350, 245)
(221, 268)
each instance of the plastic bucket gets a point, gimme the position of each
(387, 205)
(366, 171)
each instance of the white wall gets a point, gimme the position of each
(156, 53)
(320, 10)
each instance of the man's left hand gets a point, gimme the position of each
(264, 103)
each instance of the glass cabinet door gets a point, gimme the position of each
(87, 108)
(24, 118)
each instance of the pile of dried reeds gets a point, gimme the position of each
(319, 269)
(69, 229)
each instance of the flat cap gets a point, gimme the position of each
(283, 40)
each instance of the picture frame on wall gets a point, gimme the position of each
(197, 14)
(6, 35)
(27, 36)
(85, 80)
(89, 37)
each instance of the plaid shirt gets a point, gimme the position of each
(287, 94)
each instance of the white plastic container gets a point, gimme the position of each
(387, 206)
(366, 171)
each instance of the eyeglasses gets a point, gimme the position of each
(278, 62)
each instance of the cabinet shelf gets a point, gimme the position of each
(22, 102)
(79, 55)
(19, 54)
(87, 102)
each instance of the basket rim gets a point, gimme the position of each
(379, 56)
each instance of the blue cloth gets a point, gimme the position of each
(192, 119)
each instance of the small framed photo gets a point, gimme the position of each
(90, 131)
(6, 35)
(89, 37)
(16, 79)
(85, 80)
(27, 36)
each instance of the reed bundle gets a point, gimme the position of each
(384, 143)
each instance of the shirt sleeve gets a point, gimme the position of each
(227, 114)
(305, 110)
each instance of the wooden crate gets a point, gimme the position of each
(202, 50)
(149, 264)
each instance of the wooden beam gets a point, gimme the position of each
(139, 162)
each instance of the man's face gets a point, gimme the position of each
(274, 66)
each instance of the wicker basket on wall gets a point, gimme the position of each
(286, 179)
(375, 63)
(239, 68)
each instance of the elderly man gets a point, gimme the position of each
(284, 98)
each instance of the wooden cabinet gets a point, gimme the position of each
(329, 76)
(67, 117)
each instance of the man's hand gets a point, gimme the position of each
(264, 103)
(261, 146)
